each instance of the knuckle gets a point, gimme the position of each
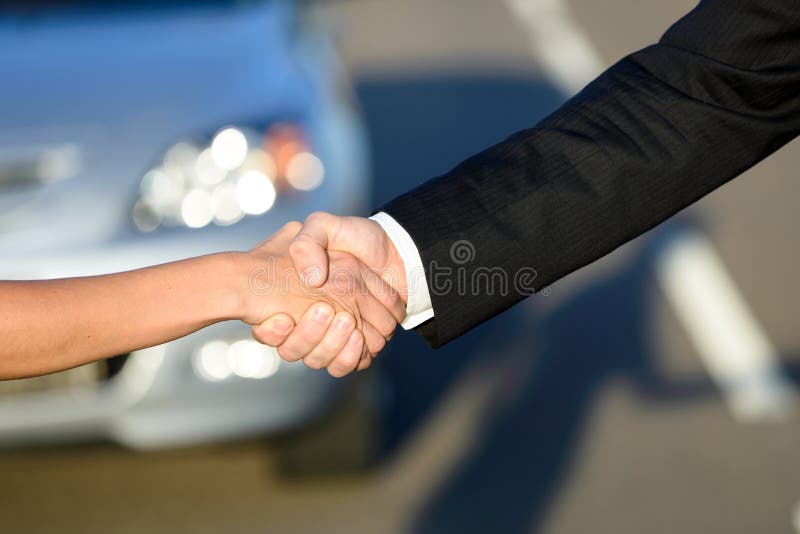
(377, 345)
(336, 337)
(390, 298)
(266, 338)
(387, 327)
(364, 362)
(349, 361)
(300, 245)
(332, 344)
(314, 363)
(288, 353)
(348, 263)
(312, 337)
(258, 334)
(340, 370)
(316, 217)
(353, 351)
(335, 372)
(267, 334)
(396, 302)
(293, 226)
(365, 353)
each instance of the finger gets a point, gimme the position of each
(353, 348)
(284, 235)
(374, 341)
(385, 294)
(376, 314)
(331, 346)
(308, 332)
(365, 363)
(274, 330)
(365, 354)
(308, 250)
(345, 363)
(288, 231)
(366, 358)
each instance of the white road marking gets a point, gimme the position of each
(561, 47)
(796, 518)
(733, 347)
(731, 343)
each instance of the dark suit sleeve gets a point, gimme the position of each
(653, 134)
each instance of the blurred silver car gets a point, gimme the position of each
(136, 133)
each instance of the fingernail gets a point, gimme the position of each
(281, 326)
(342, 323)
(312, 275)
(322, 314)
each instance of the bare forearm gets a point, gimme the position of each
(51, 325)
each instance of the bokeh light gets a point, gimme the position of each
(255, 193)
(196, 208)
(229, 149)
(305, 171)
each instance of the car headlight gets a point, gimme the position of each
(218, 360)
(240, 172)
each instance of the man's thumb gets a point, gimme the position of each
(309, 251)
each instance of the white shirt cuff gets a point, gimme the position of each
(419, 307)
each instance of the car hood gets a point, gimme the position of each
(104, 93)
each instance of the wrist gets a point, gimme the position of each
(237, 271)
(398, 278)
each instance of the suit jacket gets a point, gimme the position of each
(653, 134)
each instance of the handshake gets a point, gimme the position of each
(330, 292)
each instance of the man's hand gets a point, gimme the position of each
(313, 251)
(342, 322)
(363, 238)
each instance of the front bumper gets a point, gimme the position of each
(158, 400)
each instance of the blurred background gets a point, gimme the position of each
(655, 391)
